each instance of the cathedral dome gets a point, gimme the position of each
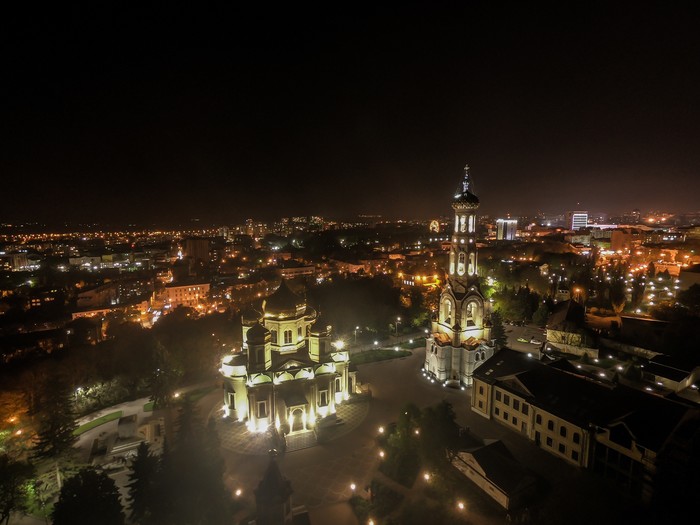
(321, 326)
(465, 199)
(257, 334)
(284, 302)
(250, 315)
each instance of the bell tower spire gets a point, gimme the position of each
(462, 269)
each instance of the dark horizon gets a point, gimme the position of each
(121, 115)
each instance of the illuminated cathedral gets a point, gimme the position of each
(289, 375)
(461, 332)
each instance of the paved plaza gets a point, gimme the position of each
(235, 437)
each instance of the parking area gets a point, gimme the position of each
(519, 337)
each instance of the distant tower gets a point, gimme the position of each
(460, 333)
(506, 229)
(578, 219)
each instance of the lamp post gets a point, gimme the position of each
(398, 322)
(356, 329)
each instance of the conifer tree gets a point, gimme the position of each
(498, 331)
(55, 435)
(56, 421)
(142, 485)
(14, 476)
(87, 498)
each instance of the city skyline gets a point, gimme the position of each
(159, 117)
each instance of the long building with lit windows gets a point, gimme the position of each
(460, 336)
(289, 375)
(616, 431)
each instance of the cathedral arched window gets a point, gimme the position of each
(452, 263)
(287, 337)
(472, 220)
(447, 312)
(472, 263)
(460, 263)
(273, 336)
(456, 223)
(471, 313)
(462, 223)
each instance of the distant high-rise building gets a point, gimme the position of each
(578, 220)
(505, 229)
(197, 249)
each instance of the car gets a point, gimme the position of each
(535, 341)
(522, 340)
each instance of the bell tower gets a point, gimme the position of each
(460, 339)
(461, 313)
(462, 271)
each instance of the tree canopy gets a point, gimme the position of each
(87, 498)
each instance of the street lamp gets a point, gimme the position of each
(356, 329)
(398, 322)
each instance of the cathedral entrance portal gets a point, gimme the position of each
(297, 420)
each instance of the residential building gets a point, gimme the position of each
(615, 430)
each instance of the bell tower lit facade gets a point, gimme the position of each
(461, 330)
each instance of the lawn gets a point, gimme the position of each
(417, 343)
(381, 354)
(97, 422)
(193, 395)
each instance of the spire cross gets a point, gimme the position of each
(465, 182)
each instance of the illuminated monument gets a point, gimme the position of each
(460, 335)
(289, 375)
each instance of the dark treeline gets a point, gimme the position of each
(126, 365)
(372, 303)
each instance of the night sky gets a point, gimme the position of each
(125, 114)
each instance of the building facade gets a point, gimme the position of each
(289, 376)
(506, 229)
(460, 334)
(578, 220)
(616, 431)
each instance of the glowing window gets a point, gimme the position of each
(460, 263)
